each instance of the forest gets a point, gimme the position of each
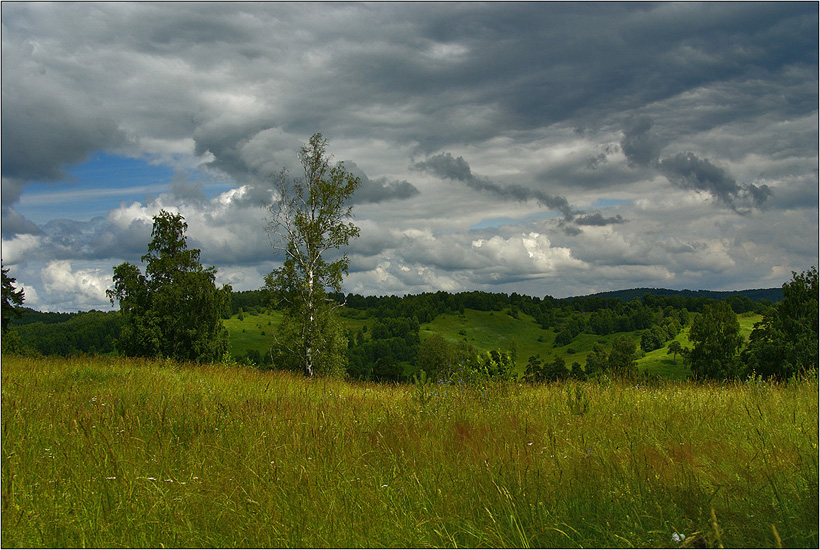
(394, 346)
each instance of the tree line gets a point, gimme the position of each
(175, 309)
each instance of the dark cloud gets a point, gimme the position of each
(599, 220)
(187, 191)
(380, 189)
(41, 137)
(15, 223)
(759, 194)
(638, 145)
(445, 166)
(688, 171)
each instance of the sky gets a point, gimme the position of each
(556, 149)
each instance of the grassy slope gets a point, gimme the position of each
(486, 330)
(252, 332)
(112, 452)
(256, 331)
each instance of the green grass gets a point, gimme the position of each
(486, 330)
(112, 452)
(253, 332)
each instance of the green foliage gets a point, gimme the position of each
(597, 361)
(674, 349)
(422, 384)
(621, 360)
(715, 335)
(307, 221)
(93, 332)
(556, 369)
(12, 301)
(436, 357)
(535, 370)
(785, 342)
(175, 309)
(495, 364)
(328, 344)
(653, 338)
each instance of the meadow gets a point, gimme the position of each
(486, 330)
(111, 452)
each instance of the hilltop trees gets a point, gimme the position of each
(622, 357)
(175, 309)
(785, 341)
(715, 335)
(307, 221)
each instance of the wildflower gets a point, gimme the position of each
(109, 478)
(678, 537)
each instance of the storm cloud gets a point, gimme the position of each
(586, 147)
(445, 166)
(688, 171)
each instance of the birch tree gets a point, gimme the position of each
(307, 223)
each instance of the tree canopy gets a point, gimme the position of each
(786, 340)
(175, 309)
(715, 335)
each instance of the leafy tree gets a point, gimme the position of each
(597, 360)
(621, 360)
(785, 341)
(387, 370)
(535, 371)
(577, 372)
(674, 348)
(653, 338)
(496, 364)
(436, 356)
(12, 299)
(175, 309)
(12, 305)
(715, 336)
(556, 369)
(308, 220)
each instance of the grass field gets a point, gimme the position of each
(111, 452)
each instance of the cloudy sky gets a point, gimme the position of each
(545, 149)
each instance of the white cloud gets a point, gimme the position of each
(83, 288)
(17, 249)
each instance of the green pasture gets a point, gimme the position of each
(116, 452)
(486, 330)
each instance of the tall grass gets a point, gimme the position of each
(120, 452)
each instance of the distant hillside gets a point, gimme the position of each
(758, 294)
(29, 316)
